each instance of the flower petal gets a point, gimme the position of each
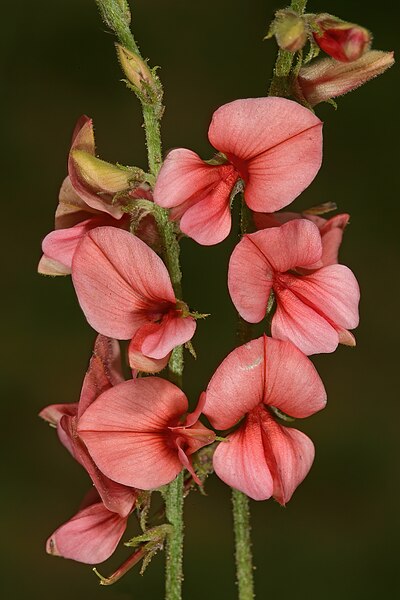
(209, 221)
(237, 385)
(289, 454)
(90, 536)
(240, 461)
(60, 245)
(276, 145)
(332, 235)
(104, 371)
(125, 432)
(249, 288)
(161, 338)
(120, 282)
(292, 383)
(302, 325)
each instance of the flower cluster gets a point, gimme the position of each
(134, 436)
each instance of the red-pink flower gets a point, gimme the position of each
(103, 373)
(83, 206)
(137, 432)
(90, 536)
(125, 291)
(261, 457)
(343, 41)
(272, 144)
(314, 310)
(331, 230)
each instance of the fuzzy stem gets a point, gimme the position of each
(243, 555)
(116, 15)
(174, 512)
(240, 502)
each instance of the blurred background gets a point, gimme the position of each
(338, 537)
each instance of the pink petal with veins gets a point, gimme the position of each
(120, 282)
(90, 536)
(275, 144)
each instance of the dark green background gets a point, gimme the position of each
(338, 537)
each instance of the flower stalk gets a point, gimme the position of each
(116, 15)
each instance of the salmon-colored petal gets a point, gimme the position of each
(161, 338)
(116, 497)
(71, 209)
(332, 235)
(141, 460)
(302, 325)
(289, 454)
(90, 536)
(60, 245)
(209, 221)
(54, 412)
(250, 279)
(47, 266)
(240, 462)
(125, 431)
(275, 144)
(332, 291)
(183, 177)
(237, 385)
(199, 194)
(104, 371)
(138, 361)
(292, 383)
(120, 282)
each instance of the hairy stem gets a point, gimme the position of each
(174, 512)
(240, 502)
(243, 555)
(116, 15)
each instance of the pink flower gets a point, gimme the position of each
(125, 291)
(314, 311)
(90, 536)
(262, 458)
(138, 435)
(272, 144)
(331, 230)
(103, 373)
(84, 206)
(343, 41)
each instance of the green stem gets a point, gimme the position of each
(116, 15)
(174, 512)
(240, 502)
(243, 555)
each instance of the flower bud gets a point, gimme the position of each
(326, 78)
(101, 175)
(289, 30)
(343, 41)
(135, 69)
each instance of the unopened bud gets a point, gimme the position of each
(343, 41)
(101, 175)
(136, 70)
(289, 30)
(326, 78)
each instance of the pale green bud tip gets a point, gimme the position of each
(136, 70)
(101, 175)
(290, 30)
